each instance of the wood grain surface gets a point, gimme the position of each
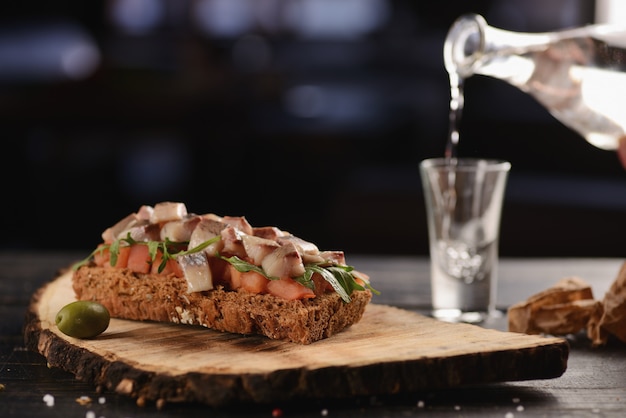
(390, 351)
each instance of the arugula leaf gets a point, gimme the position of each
(339, 277)
(306, 279)
(86, 260)
(114, 251)
(244, 266)
(337, 280)
(199, 247)
(168, 249)
(153, 248)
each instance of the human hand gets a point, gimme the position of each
(621, 151)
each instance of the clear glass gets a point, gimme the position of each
(463, 206)
(578, 75)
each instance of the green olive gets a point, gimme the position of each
(83, 319)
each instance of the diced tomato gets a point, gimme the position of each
(254, 282)
(139, 259)
(101, 256)
(174, 267)
(171, 266)
(251, 281)
(122, 257)
(235, 277)
(289, 289)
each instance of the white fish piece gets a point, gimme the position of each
(257, 248)
(284, 261)
(195, 266)
(180, 230)
(312, 259)
(212, 216)
(112, 233)
(145, 213)
(233, 244)
(268, 232)
(207, 229)
(168, 211)
(239, 222)
(142, 231)
(304, 247)
(336, 257)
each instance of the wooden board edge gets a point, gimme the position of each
(548, 361)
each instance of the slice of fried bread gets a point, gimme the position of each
(163, 298)
(165, 264)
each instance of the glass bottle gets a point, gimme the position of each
(578, 75)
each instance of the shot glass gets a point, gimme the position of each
(463, 200)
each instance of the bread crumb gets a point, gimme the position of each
(48, 399)
(125, 386)
(83, 400)
(160, 403)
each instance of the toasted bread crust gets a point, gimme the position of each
(153, 297)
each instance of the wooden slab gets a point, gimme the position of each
(390, 351)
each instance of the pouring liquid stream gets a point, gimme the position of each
(456, 111)
(463, 257)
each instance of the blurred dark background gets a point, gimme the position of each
(311, 115)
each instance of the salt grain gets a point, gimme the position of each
(324, 412)
(90, 414)
(515, 400)
(520, 408)
(457, 408)
(509, 415)
(102, 400)
(48, 399)
(420, 404)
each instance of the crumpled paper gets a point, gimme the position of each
(569, 307)
(610, 317)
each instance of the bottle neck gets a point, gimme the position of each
(464, 45)
(471, 44)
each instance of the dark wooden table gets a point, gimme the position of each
(594, 384)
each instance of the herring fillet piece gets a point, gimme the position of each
(195, 266)
(258, 248)
(284, 261)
